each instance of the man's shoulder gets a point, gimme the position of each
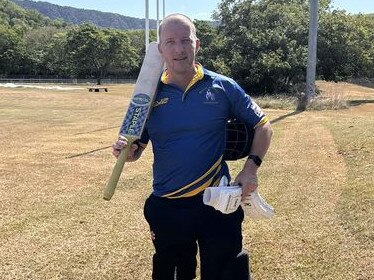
(214, 75)
(219, 78)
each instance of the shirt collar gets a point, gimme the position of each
(199, 75)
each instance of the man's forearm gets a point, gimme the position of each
(261, 140)
(247, 178)
(260, 145)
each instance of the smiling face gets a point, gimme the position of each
(178, 45)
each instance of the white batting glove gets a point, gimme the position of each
(256, 208)
(225, 199)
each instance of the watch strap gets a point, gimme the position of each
(256, 159)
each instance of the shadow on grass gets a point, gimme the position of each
(359, 102)
(101, 129)
(285, 116)
(362, 82)
(89, 152)
(107, 147)
(92, 151)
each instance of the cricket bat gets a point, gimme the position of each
(138, 110)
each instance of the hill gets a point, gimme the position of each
(12, 14)
(80, 16)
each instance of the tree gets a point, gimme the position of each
(56, 59)
(345, 46)
(37, 42)
(264, 43)
(125, 56)
(93, 51)
(12, 51)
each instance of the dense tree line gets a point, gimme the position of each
(262, 44)
(31, 44)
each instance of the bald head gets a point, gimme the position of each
(177, 19)
(178, 45)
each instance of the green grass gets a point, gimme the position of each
(282, 102)
(322, 101)
(356, 206)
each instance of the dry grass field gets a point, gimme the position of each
(55, 161)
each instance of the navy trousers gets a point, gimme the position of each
(180, 226)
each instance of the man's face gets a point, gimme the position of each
(178, 47)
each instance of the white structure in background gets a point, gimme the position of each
(146, 24)
(310, 88)
(312, 49)
(147, 19)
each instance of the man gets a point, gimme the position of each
(187, 130)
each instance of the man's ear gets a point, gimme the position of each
(197, 45)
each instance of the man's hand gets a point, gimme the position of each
(134, 153)
(247, 179)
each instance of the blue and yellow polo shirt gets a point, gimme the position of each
(187, 131)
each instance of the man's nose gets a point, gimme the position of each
(179, 47)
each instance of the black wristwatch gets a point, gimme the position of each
(256, 159)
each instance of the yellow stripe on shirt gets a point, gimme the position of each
(215, 165)
(201, 188)
(264, 120)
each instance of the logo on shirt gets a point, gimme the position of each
(160, 102)
(210, 95)
(256, 109)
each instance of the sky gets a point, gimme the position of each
(195, 9)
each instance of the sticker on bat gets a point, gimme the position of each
(136, 115)
(141, 99)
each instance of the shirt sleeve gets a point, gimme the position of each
(242, 105)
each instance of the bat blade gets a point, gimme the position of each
(138, 110)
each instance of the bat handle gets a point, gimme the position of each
(116, 173)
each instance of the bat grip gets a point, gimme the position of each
(116, 173)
